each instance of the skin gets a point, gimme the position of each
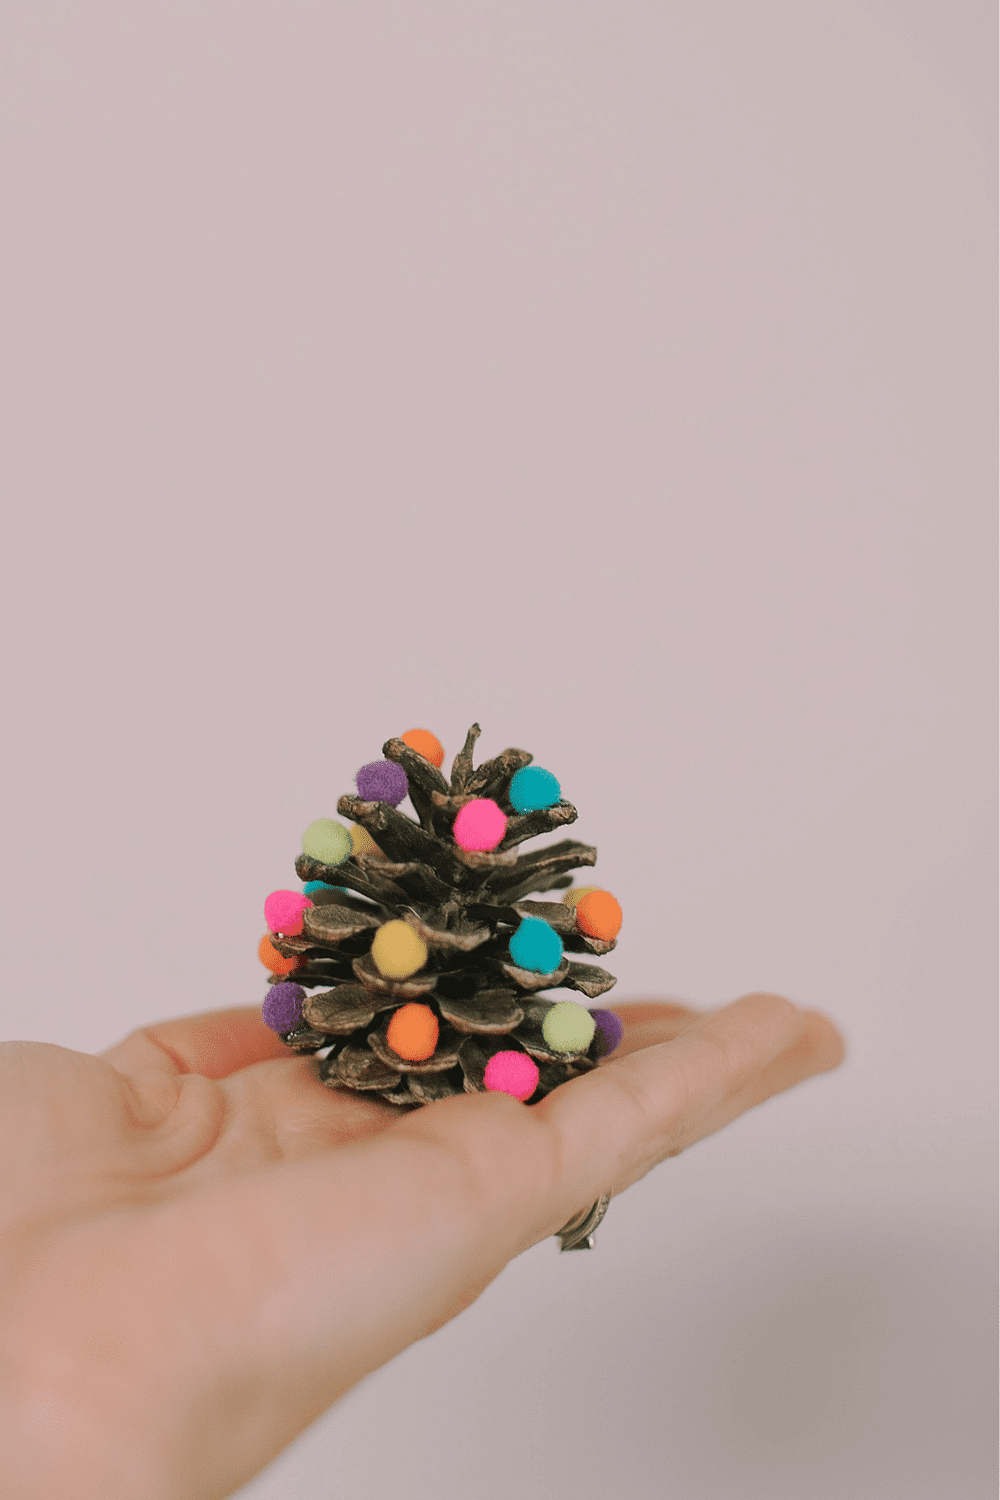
(202, 1247)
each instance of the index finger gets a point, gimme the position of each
(655, 1102)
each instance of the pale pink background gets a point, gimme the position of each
(620, 375)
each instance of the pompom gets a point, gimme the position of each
(536, 946)
(282, 1009)
(413, 1032)
(480, 824)
(609, 1031)
(272, 959)
(283, 911)
(531, 788)
(599, 915)
(382, 781)
(311, 886)
(362, 841)
(576, 894)
(568, 1027)
(511, 1073)
(327, 840)
(426, 744)
(398, 951)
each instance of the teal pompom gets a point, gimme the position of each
(531, 789)
(536, 946)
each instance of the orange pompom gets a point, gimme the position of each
(599, 915)
(413, 1032)
(273, 960)
(426, 744)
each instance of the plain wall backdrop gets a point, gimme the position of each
(620, 375)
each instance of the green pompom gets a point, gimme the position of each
(568, 1027)
(327, 841)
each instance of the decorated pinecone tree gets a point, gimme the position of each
(413, 958)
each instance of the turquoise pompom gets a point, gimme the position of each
(319, 885)
(536, 946)
(531, 788)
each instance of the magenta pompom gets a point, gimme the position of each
(283, 911)
(480, 824)
(511, 1073)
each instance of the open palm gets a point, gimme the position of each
(202, 1247)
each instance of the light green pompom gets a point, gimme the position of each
(327, 841)
(568, 1027)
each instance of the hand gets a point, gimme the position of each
(202, 1247)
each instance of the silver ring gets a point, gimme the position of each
(578, 1234)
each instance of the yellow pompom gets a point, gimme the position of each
(398, 951)
(362, 841)
(577, 893)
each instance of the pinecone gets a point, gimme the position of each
(430, 957)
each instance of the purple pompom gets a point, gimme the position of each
(609, 1030)
(382, 781)
(282, 1009)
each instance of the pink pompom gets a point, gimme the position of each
(511, 1073)
(283, 911)
(480, 825)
